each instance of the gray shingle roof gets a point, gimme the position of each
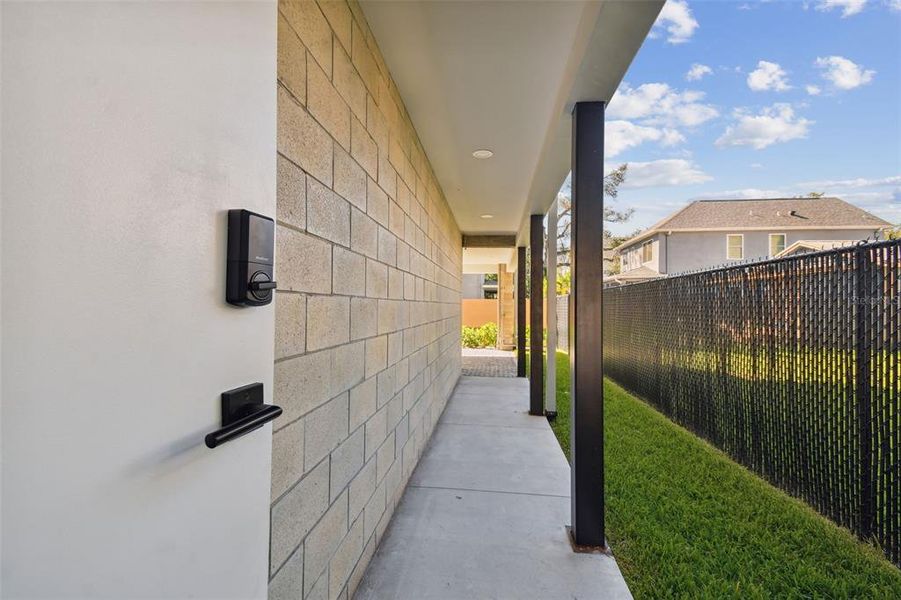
(778, 213)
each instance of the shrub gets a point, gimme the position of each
(480, 337)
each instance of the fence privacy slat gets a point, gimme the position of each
(790, 366)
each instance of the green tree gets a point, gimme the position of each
(612, 182)
(564, 281)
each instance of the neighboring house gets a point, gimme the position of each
(642, 273)
(807, 246)
(479, 287)
(708, 233)
(472, 286)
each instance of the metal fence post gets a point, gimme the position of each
(863, 341)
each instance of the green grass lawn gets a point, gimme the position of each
(685, 521)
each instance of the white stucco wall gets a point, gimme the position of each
(128, 130)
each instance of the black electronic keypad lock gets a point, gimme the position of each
(248, 279)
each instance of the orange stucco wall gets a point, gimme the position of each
(477, 312)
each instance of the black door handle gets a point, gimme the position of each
(243, 426)
(242, 412)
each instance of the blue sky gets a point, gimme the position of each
(761, 99)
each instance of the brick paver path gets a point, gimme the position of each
(487, 362)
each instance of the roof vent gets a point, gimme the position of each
(793, 213)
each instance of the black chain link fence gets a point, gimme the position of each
(790, 366)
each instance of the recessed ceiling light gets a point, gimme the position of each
(484, 153)
(487, 216)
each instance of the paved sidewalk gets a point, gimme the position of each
(488, 362)
(484, 515)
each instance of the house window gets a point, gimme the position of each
(647, 252)
(777, 243)
(735, 246)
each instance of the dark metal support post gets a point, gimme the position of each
(521, 311)
(585, 325)
(536, 320)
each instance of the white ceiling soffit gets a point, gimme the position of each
(486, 260)
(504, 76)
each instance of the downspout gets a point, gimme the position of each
(666, 252)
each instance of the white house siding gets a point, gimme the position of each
(698, 250)
(632, 258)
(689, 251)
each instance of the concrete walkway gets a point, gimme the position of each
(485, 511)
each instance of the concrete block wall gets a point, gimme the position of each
(368, 261)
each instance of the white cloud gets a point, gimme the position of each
(881, 195)
(768, 76)
(848, 7)
(659, 104)
(697, 71)
(884, 204)
(744, 194)
(677, 20)
(621, 135)
(813, 90)
(843, 73)
(774, 124)
(894, 5)
(653, 112)
(665, 172)
(859, 182)
(671, 137)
